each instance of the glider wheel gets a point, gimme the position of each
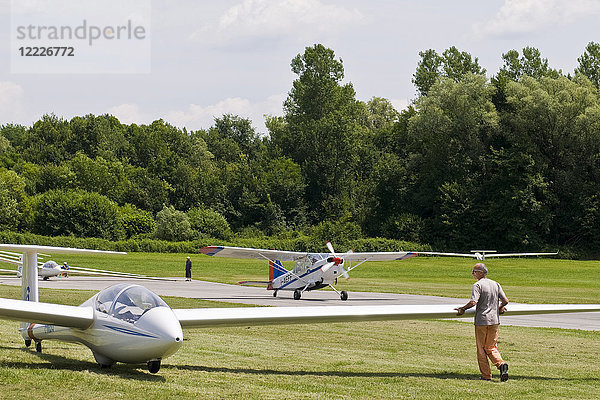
(153, 366)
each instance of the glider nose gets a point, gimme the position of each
(163, 323)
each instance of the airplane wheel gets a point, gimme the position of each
(153, 366)
(38, 346)
(275, 293)
(27, 342)
(45, 278)
(297, 294)
(344, 295)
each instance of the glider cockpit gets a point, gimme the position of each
(126, 302)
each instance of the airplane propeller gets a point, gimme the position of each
(336, 260)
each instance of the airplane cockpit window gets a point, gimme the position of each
(106, 297)
(133, 302)
(127, 302)
(302, 265)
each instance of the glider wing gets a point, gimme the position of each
(247, 316)
(45, 313)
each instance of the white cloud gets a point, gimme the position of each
(196, 117)
(199, 117)
(129, 114)
(12, 107)
(400, 104)
(519, 17)
(274, 19)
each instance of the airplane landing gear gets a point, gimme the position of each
(27, 342)
(153, 366)
(344, 295)
(38, 346)
(275, 293)
(297, 294)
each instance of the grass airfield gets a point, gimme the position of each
(367, 360)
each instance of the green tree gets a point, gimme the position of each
(449, 135)
(322, 131)
(456, 64)
(99, 175)
(102, 136)
(46, 141)
(12, 194)
(555, 122)
(589, 63)
(75, 212)
(530, 64)
(453, 64)
(428, 71)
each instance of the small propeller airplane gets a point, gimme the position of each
(314, 271)
(311, 271)
(49, 269)
(128, 323)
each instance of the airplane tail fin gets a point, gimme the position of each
(276, 269)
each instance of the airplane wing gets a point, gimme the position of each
(248, 316)
(435, 253)
(11, 261)
(243, 252)
(519, 254)
(478, 255)
(253, 282)
(379, 256)
(261, 254)
(12, 271)
(90, 271)
(45, 313)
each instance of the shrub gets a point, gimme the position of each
(12, 191)
(135, 221)
(337, 232)
(75, 212)
(173, 225)
(209, 223)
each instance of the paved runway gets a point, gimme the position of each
(259, 296)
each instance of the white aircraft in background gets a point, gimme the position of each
(314, 271)
(129, 323)
(49, 269)
(481, 255)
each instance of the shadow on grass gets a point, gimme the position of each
(57, 362)
(351, 374)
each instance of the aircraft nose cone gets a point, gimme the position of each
(164, 325)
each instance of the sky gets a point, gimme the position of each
(206, 58)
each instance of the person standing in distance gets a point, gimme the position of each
(188, 270)
(490, 302)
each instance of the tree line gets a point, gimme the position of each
(507, 162)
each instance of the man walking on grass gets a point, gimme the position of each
(490, 300)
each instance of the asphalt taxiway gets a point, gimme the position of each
(259, 296)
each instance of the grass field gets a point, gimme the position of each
(375, 360)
